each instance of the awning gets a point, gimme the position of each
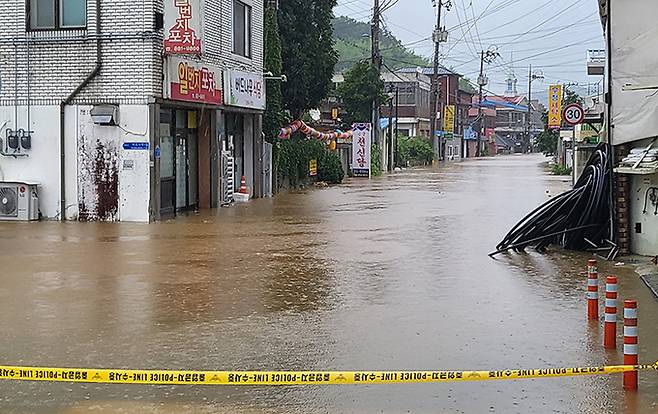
(636, 171)
(496, 104)
(383, 122)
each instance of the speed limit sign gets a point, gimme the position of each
(573, 114)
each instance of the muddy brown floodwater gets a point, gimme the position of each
(388, 274)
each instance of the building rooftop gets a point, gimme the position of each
(429, 71)
(503, 102)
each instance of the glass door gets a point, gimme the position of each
(192, 168)
(181, 171)
(167, 162)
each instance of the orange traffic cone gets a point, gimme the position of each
(243, 185)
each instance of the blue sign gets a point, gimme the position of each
(470, 133)
(136, 146)
(157, 151)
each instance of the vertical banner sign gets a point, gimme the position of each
(449, 119)
(193, 82)
(313, 168)
(182, 27)
(361, 142)
(555, 106)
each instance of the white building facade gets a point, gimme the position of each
(131, 111)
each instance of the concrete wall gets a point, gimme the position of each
(644, 242)
(131, 62)
(130, 168)
(42, 165)
(85, 143)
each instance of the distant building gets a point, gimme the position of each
(413, 104)
(448, 82)
(511, 118)
(331, 108)
(465, 94)
(488, 134)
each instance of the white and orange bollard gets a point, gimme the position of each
(610, 326)
(592, 290)
(630, 343)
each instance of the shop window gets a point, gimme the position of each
(241, 29)
(56, 14)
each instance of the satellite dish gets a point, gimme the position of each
(314, 114)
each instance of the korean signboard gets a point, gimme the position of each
(470, 133)
(182, 27)
(361, 141)
(193, 82)
(555, 106)
(449, 119)
(244, 89)
(313, 168)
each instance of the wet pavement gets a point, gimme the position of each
(388, 274)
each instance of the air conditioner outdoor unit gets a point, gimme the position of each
(18, 201)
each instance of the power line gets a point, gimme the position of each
(479, 17)
(476, 26)
(552, 18)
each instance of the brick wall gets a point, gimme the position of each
(60, 60)
(219, 35)
(622, 206)
(131, 52)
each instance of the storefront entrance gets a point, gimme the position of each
(179, 162)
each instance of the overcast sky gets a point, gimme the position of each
(552, 35)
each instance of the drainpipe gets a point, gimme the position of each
(66, 101)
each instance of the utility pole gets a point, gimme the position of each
(528, 139)
(377, 63)
(481, 82)
(439, 36)
(487, 57)
(531, 77)
(397, 133)
(390, 127)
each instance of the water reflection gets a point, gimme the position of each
(390, 273)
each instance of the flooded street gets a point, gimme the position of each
(387, 274)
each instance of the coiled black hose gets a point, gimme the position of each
(572, 219)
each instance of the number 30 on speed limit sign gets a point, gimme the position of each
(573, 114)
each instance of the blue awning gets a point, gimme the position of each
(383, 123)
(494, 104)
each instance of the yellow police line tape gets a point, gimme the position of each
(157, 377)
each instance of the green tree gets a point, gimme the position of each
(571, 97)
(361, 86)
(353, 44)
(308, 52)
(273, 119)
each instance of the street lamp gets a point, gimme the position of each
(270, 76)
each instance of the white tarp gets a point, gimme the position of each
(634, 53)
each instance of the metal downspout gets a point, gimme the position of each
(62, 117)
(614, 228)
